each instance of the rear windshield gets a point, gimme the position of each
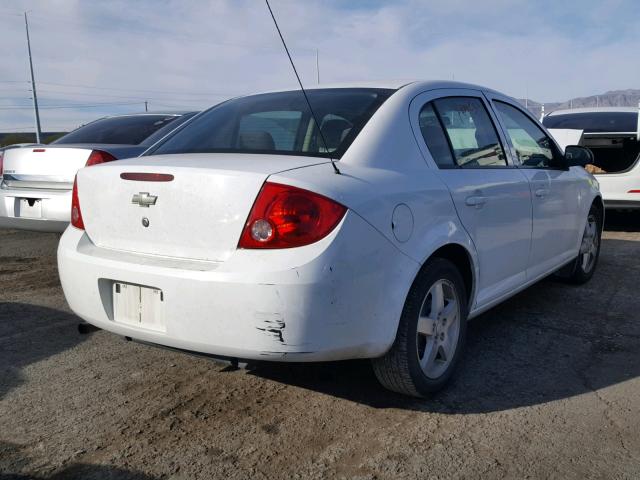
(126, 130)
(280, 123)
(594, 121)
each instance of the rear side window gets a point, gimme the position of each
(125, 130)
(435, 137)
(470, 131)
(533, 147)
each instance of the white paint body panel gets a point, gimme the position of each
(340, 297)
(616, 186)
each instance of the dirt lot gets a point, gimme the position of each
(550, 388)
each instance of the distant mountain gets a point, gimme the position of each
(614, 98)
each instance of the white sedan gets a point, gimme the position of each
(236, 236)
(613, 135)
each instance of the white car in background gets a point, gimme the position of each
(236, 237)
(613, 135)
(36, 180)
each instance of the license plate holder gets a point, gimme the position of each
(29, 207)
(138, 306)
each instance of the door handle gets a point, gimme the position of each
(475, 201)
(542, 192)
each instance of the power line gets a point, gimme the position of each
(169, 92)
(130, 97)
(73, 106)
(29, 129)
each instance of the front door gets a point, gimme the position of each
(554, 191)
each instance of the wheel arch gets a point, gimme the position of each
(463, 260)
(598, 202)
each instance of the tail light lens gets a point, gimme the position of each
(76, 213)
(1, 162)
(98, 156)
(285, 217)
(95, 158)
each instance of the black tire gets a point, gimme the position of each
(576, 272)
(399, 369)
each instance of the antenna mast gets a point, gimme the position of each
(315, 119)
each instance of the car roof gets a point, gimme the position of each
(384, 84)
(569, 111)
(397, 84)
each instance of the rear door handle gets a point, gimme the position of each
(542, 192)
(476, 201)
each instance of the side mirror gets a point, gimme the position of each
(576, 156)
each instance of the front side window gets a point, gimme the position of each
(471, 133)
(533, 147)
(280, 123)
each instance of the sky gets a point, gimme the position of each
(97, 58)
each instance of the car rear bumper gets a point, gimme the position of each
(52, 215)
(339, 298)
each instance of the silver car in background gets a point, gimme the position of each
(35, 191)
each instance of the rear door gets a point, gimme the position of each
(554, 189)
(491, 196)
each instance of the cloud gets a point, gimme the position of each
(191, 54)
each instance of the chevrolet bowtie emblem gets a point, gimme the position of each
(143, 199)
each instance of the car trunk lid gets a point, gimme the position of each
(43, 167)
(199, 213)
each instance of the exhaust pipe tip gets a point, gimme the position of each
(85, 328)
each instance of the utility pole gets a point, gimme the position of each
(33, 84)
(146, 106)
(318, 65)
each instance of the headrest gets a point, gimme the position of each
(259, 140)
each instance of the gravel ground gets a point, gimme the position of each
(549, 388)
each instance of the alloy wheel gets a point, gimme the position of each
(590, 243)
(438, 328)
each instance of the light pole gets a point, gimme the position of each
(33, 84)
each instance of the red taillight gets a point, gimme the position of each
(630, 191)
(98, 156)
(284, 217)
(76, 213)
(1, 162)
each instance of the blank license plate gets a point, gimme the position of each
(138, 306)
(29, 208)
